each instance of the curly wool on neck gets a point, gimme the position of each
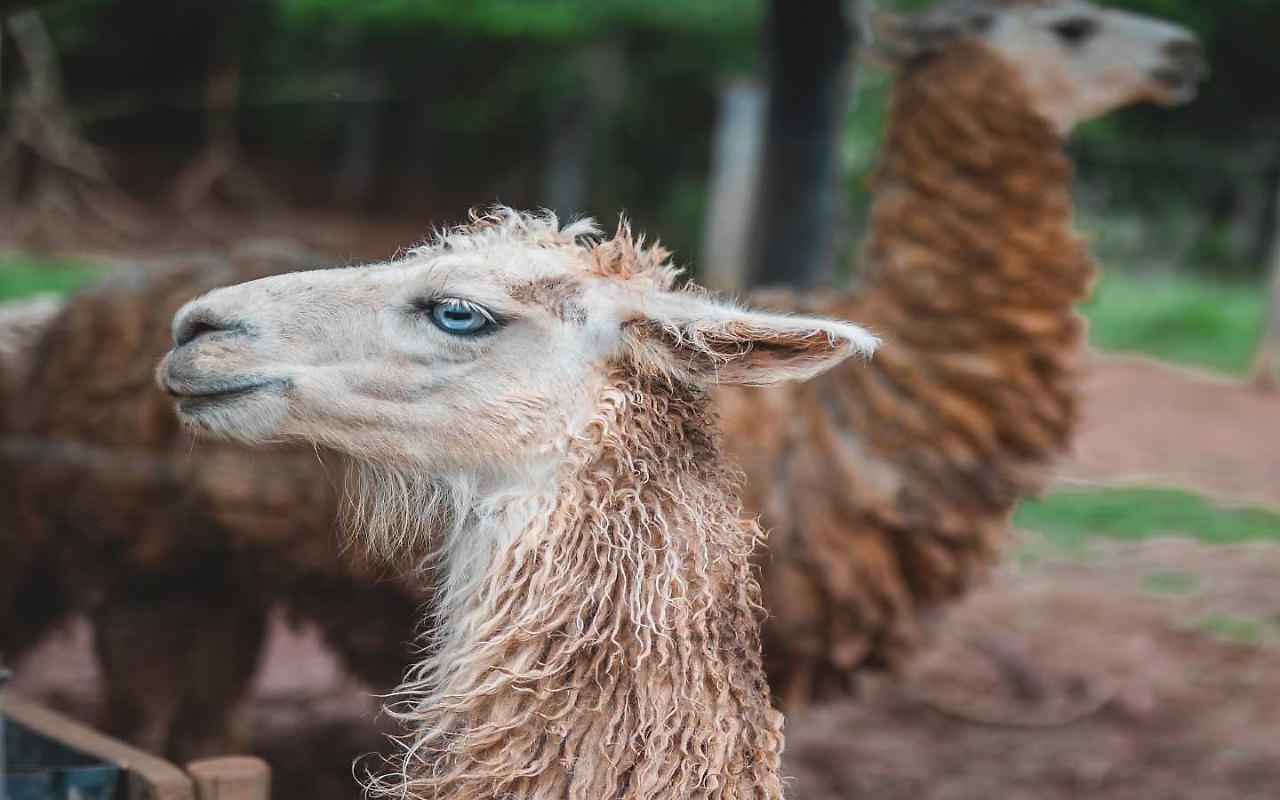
(610, 648)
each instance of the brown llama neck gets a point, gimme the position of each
(971, 241)
(610, 647)
(972, 269)
(889, 489)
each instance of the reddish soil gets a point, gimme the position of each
(1151, 423)
(1058, 680)
(1069, 680)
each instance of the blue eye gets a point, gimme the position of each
(460, 317)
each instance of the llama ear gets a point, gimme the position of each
(693, 338)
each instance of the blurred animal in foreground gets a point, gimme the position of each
(32, 599)
(177, 549)
(887, 491)
(887, 488)
(532, 400)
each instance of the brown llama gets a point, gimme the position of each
(176, 550)
(31, 598)
(881, 510)
(532, 401)
(887, 491)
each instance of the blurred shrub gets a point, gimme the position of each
(460, 102)
(549, 20)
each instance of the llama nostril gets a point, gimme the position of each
(198, 324)
(1185, 63)
(1183, 50)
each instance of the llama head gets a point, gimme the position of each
(1074, 59)
(478, 354)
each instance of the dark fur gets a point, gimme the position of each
(176, 550)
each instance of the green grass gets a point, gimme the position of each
(1241, 630)
(1068, 519)
(1178, 318)
(1170, 583)
(22, 275)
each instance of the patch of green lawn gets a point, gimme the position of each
(23, 275)
(1178, 318)
(1170, 583)
(1067, 519)
(1241, 630)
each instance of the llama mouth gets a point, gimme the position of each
(1177, 85)
(191, 398)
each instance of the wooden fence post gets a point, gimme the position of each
(231, 778)
(146, 777)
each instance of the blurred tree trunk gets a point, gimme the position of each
(357, 167)
(735, 182)
(1267, 228)
(585, 126)
(1266, 367)
(52, 179)
(810, 47)
(565, 181)
(217, 174)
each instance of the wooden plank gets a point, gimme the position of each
(231, 778)
(147, 777)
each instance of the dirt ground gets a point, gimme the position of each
(1150, 423)
(1133, 672)
(1070, 680)
(1058, 680)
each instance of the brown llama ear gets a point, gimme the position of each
(693, 338)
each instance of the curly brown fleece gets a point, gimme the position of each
(612, 647)
(887, 489)
(176, 549)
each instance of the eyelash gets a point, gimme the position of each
(426, 307)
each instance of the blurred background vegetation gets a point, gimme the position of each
(419, 109)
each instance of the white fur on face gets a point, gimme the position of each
(1079, 61)
(350, 358)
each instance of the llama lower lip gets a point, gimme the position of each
(188, 401)
(1180, 85)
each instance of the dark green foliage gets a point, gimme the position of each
(467, 96)
(550, 20)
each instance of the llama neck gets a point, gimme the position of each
(972, 237)
(611, 647)
(972, 269)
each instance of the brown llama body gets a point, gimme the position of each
(31, 598)
(887, 490)
(176, 549)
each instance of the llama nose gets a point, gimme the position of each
(199, 322)
(1182, 49)
(1186, 53)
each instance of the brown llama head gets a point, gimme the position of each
(1075, 60)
